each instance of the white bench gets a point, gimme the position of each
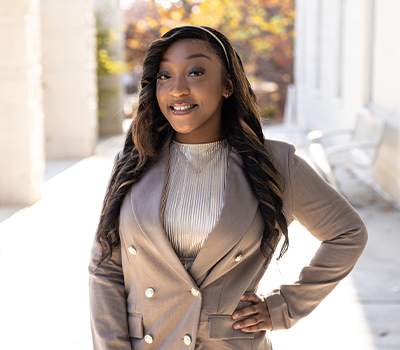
(348, 148)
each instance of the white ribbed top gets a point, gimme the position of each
(193, 200)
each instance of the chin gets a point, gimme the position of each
(181, 129)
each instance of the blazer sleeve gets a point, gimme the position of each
(332, 220)
(108, 312)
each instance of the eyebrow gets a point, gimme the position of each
(196, 55)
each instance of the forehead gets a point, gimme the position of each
(186, 49)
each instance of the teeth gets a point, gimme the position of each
(183, 108)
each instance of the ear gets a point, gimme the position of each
(228, 86)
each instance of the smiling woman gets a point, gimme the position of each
(195, 208)
(191, 86)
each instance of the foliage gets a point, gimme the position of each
(262, 31)
(106, 63)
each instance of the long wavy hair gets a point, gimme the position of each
(241, 128)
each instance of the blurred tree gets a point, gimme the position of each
(261, 31)
(107, 62)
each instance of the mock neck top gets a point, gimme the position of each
(194, 195)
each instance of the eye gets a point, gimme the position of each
(196, 72)
(162, 76)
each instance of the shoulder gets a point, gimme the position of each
(118, 156)
(282, 157)
(282, 154)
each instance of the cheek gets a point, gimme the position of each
(159, 98)
(215, 89)
(162, 103)
(212, 96)
(158, 93)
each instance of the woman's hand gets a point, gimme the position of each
(260, 319)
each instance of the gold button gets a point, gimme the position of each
(148, 339)
(132, 250)
(239, 258)
(195, 292)
(187, 340)
(149, 292)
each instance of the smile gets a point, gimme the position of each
(182, 108)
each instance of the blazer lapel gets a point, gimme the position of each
(146, 199)
(240, 206)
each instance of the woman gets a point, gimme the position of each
(196, 206)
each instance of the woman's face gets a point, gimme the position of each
(190, 91)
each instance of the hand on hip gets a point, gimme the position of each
(259, 318)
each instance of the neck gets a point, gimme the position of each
(186, 138)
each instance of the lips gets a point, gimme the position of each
(182, 108)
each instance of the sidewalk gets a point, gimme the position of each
(44, 253)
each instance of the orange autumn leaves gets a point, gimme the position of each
(262, 31)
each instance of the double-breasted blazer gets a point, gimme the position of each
(143, 298)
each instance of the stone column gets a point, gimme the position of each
(110, 19)
(21, 114)
(70, 83)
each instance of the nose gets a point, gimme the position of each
(179, 87)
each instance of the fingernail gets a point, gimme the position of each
(236, 326)
(235, 315)
(244, 330)
(242, 297)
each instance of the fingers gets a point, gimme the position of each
(248, 322)
(253, 324)
(249, 310)
(261, 326)
(246, 311)
(254, 298)
(260, 318)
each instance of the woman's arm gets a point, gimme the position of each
(331, 219)
(108, 313)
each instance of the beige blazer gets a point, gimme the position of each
(143, 298)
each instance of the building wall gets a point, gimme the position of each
(70, 79)
(21, 113)
(346, 64)
(50, 46)
(386, 93)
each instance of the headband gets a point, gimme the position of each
(212, 34)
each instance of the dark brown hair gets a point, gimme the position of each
(241, 128)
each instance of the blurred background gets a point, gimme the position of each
(69, 85)
(70, 71)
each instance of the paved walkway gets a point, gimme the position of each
(44, 253)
